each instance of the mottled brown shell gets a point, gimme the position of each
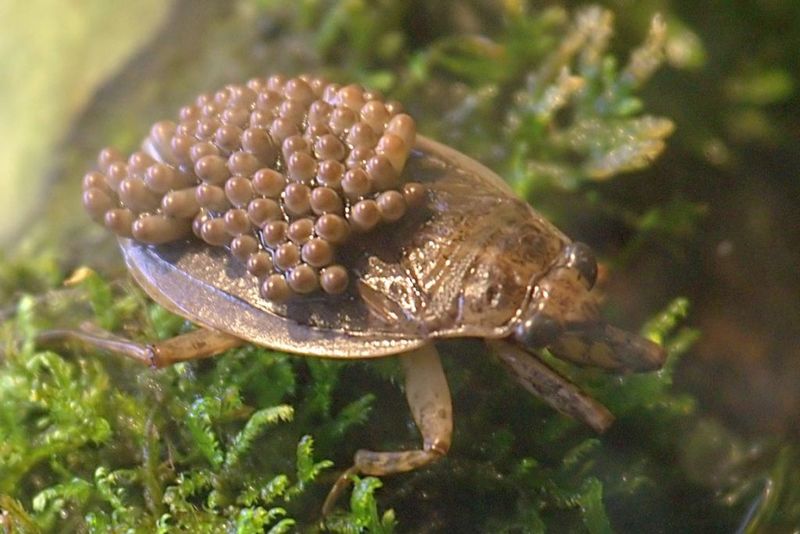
(310, 218)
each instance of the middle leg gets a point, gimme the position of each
(428, 397)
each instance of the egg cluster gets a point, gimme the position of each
(280, 170)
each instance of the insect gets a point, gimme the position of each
(310, 218)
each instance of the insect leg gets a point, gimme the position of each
(544, 382)
(428, 397)
(197, 344)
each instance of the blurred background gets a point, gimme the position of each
(715, 218)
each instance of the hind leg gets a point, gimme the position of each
(197, 344)
(428, 397)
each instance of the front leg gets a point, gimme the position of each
(544, 382)
(428, 397)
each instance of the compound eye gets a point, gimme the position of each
(537, 331)
(581, 258)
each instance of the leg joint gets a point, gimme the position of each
(153, 356)
(439, 447)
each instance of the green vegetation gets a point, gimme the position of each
(252, 440)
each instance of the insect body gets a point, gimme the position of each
(310, 218)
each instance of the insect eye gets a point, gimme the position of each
(537, 331)
(581, 258)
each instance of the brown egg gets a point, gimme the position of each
(330, 93)
(238, 116)
(293, 111)
(202, 149)
(356, 183)
(351, 96)
(382, 174)
(117, 171)
(161, 178)
(332, 227)
(262, 210)
(106, 157)
(269, 182)
(333, 279)
(326, 200)
(299, 90)
(200, 218)
(372, 94)
(97, 202)
(415, 193)
(138, 163)
(365, 215)
(315, 131)
(258, 142)
(300, 231)
(292, 144)
(392, 205)
(330, 173)
(274, 232)
(221, 97)
(303, 279)
(213, 232)
(341, 120)
(317, 86)
(394, 149)
(286, 256)
(160, 136)
(236, 222)
(393, 107)
(297, 199)
(257, 84)
(180, 203)
(212, 109)
(259, 263)
(404, 127)
(268, 100)
(134, 194)
(301, 167)
(281, 128)
(261, 119)
(228, 137)
(328, 146)
(188, 129)
(212, 170)
(211, 197)
(239, 191)
(374, 113)
(358, 157)
(206, 128)
(119, 221)
(276, 289)
(319, 113)
(243, 246)
(243, 163)
(97, 180)
(189, 113)
(181, 146)
(158, 229)
(361, 136)
(241, 96)
(203, 99)
(317, 252)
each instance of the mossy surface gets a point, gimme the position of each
(251, 441)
